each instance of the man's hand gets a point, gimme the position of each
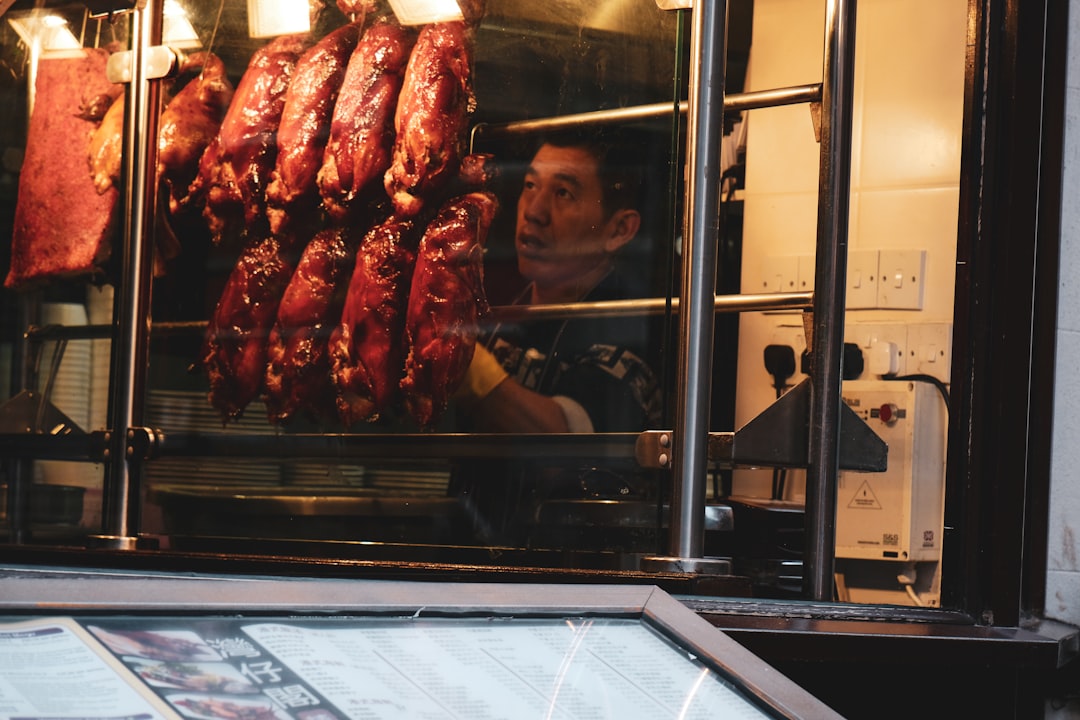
(483, 376)
(499, 404)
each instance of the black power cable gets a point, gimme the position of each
(920, 377)
(780, 363)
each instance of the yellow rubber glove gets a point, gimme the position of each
(484, 375)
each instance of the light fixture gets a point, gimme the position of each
(44, 32)
(268, 18)
(422, 12)
(177, 30)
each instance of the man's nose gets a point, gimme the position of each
(537, 207)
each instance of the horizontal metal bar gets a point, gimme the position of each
(651, 306)
(75, 447)
(414, 446)
(339, 446)
(732, 103)
(773, 98)
(68, 332)
(43, 333)
(604, 309)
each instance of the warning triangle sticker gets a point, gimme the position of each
(865, 499)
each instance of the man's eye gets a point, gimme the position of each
(564, 194)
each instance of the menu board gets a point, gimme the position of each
(359, 668)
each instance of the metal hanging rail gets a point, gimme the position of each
(793, 95)
(499, 313)
(652, 306)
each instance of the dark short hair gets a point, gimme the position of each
(619, 160)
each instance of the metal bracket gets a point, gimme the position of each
(31, 412)
(778, 437)
(143, 443)
(161, 61)
(815, 119)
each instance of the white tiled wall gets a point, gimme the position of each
(905, 179)
(1063, 583)
(905, 184)
(906, 141)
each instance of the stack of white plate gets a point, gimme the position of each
(71, 394)
(184, 411)
(99, 309)
(71, 386)
(180, 411)
(409, 481)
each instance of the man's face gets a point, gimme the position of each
(563, 239)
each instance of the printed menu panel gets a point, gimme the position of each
(53, 669)
(356, 668)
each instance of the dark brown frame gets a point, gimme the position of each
(1008, 241)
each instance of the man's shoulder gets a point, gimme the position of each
(619, 284)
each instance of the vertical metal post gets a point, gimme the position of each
(701, 235)
(827, 339)
(21, 471)
(131, 314)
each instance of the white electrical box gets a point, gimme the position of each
(896, 514)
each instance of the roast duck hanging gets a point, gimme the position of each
(335, 174)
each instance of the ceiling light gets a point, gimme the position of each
(422, 12)
(45, 32)
(177, 30)
(268, 18)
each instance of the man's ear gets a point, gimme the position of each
(623, 225)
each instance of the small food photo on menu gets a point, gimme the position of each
(166, 645)
(201, 677)
(209, 707)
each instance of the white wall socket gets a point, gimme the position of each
(884, 347)
(930, 349)
(885, 279)
(862, 279)
(807, 273)
(903, 348)
(888, 348)
(901, 279)
(780, 274)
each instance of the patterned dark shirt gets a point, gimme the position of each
(605, 365)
